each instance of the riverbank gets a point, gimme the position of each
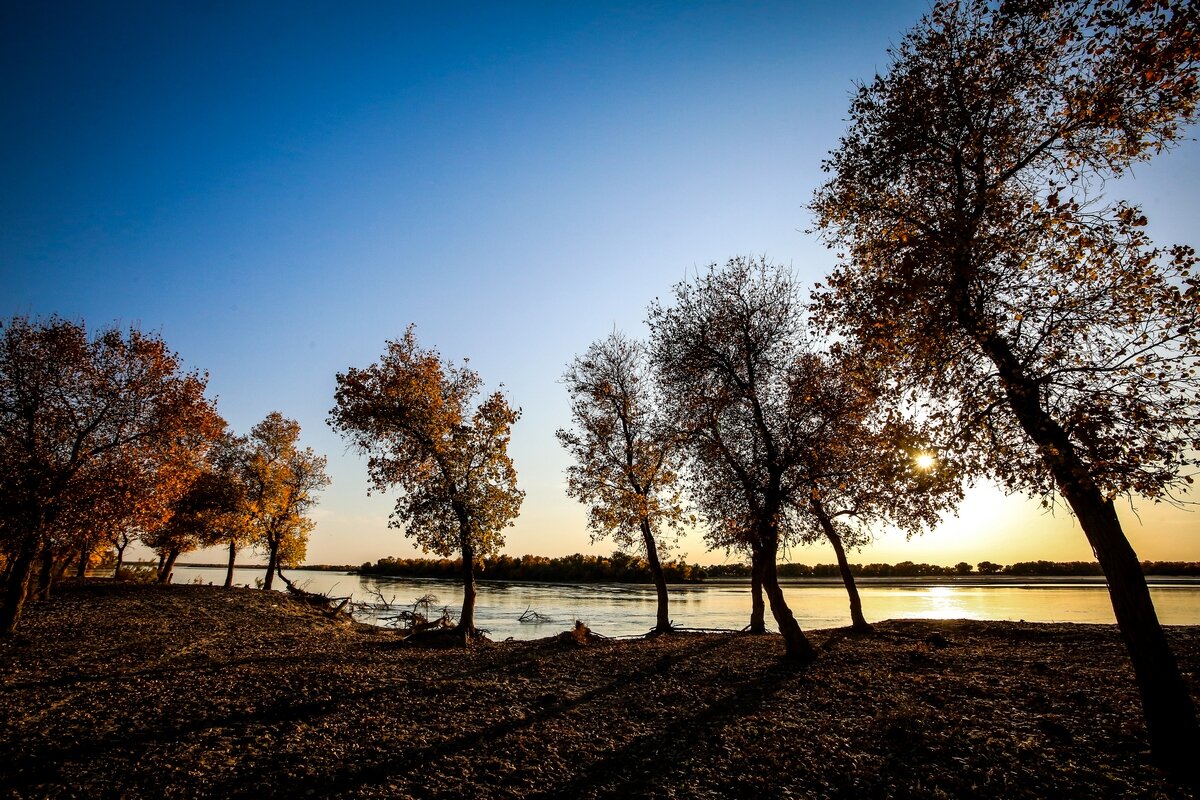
(195, 691)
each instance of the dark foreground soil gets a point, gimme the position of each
(191, 691)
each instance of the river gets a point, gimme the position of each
(628, 609)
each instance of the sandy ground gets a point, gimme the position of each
(193, 691)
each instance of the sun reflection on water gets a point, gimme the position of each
(943, 602)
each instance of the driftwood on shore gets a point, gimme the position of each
(332, 605)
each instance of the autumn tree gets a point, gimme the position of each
(411, 415)
(232, 522)
(723, 354)
(279, 483)
(69, 405)
(189, 524)
(864, 465)
(142, 484)
(985, 268)
(626, 457)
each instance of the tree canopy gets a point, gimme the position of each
(626, 456)
(280, 482)
(74, 409)
(987, 272)
(410, 414)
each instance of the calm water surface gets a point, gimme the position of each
(626, 610)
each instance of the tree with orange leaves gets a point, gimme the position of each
(71, 404)
(411, 414)
(279, 484)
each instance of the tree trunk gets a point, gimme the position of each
(47, 577)
(272, 561)
(168, 564)
(1166, 703)
(229, 569)
(466, 619)
(17, 586)
(120, 560)
(60, 567)
(796, 646)
(858, 621)
(85, 555)
(663, 625)
(758, 622)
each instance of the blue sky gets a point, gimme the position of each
(278, 188)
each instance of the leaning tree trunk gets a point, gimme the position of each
(758, 622)
(1166, 702)
(229, 569)
(466, 619)
(858, 621)
(663, 624)
(17, 587)
(272, 563)
(120, 560)
(168, 564)
(796, 646)
(85, 555)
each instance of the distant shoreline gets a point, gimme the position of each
(963, 581)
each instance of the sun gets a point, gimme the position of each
(923, 460)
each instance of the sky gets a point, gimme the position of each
(278, 189)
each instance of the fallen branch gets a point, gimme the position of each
(529, 615)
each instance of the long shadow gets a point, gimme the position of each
(636, 768)
(353, 776)
(49, 761)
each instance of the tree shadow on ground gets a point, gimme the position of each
(633, 768)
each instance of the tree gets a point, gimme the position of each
(279, 484)
(69, 406)
(190, 522)
(410, 415)
(862, 464)
(785, 436)
(230, 523)
(983, 267)
(723, 355)
(625, 456)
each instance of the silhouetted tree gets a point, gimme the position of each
(1056, 345)
(625, 456)
(723, 354)
(410, 414)
(863, 464)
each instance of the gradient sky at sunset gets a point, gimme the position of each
(278, 188)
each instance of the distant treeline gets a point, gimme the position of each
(909, 569)
(578, 568)
(624, 568)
